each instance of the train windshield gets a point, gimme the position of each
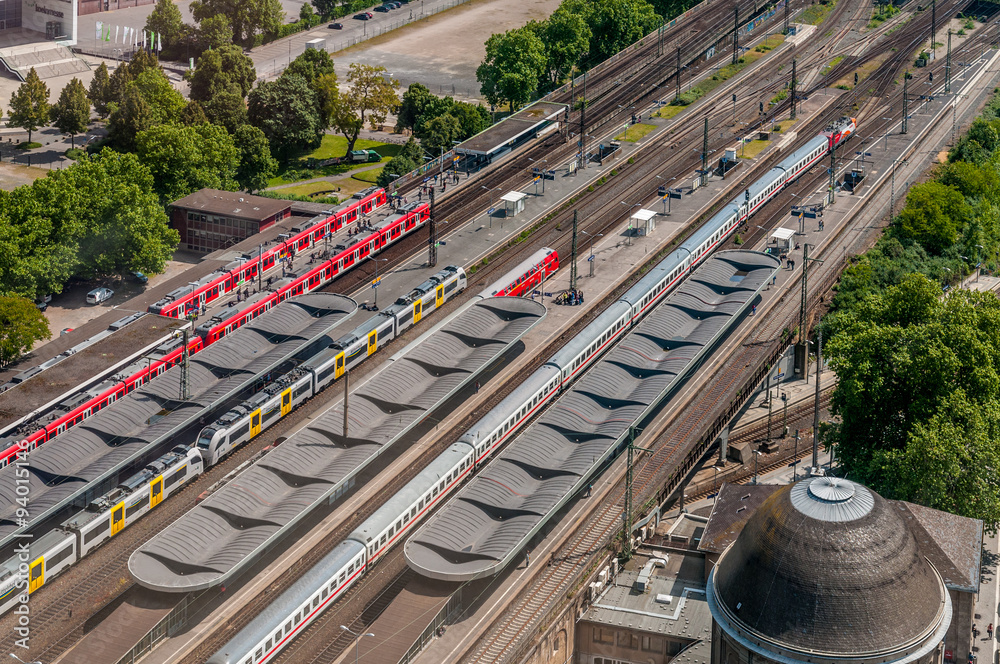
(205, 439)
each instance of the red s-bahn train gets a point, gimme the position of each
(530, 274)
(217, 286)
(408, 219)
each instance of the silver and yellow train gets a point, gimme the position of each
(47, 556)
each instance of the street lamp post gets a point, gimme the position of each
(357, 639)
(375, 283)
(593, 239)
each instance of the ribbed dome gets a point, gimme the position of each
(827, 566)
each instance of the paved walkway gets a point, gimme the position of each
(984, 647)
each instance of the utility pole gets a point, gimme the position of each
(947, 66)
(186, 366)
(786, 17)
(704, 155)
(572, 265)
(819, 367)
(833, 170)
(432, 252)
(933, 28)
(659, 43)
(906, 101)
(793, 79)
(583, 126)
(769, 403)
(736, 33)
(347, 376)
(678, 77)
(627, 513)
(260, 267)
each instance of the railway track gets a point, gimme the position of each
(601, 526)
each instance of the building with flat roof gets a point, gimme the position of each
(210, 219)
(826, 571)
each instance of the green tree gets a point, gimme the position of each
(185, 159)
(566, 37)
(29, 105)
(249, 18)
(286, 110)
(439, 133)
(224, 68)
(71, 114)
(165, 103)
(214, 32)
(615, 24)
(312, 64)
(473, 118)
(370, 98)
(99, 90)
(308, 16)
(257, 166)
(328, 99)
(514, 63)
(326, 8)
(129, 119)
(406, 160)
(166, 20)
(932, 216)
(21, 325)
(193, 114)
(226, 108)
(416, 100)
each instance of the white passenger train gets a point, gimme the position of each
(106, 516)
(268, 634)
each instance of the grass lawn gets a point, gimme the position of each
(814, 14)
(368, 176)
(753, 148)
(833, 63)
(864, 71)
(635, 132)
(311, 189)
(331, 146)
(669, 111)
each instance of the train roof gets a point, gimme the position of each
(140, 423)
(502, 283)
(596, 327)
(501, 413)
(708, 228)
(400, 503)
(776, 174)
(280, 610)
(226, 532)
(484, 527)
(657, 274)
(811, 144)
(40, 386)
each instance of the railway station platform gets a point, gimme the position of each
(231, 529)
(510, 133)
(86, 364)
(88, 460)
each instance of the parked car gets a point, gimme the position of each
(392, 4)
(363, 16)
(336, 26)
(140, 277)
(42, 305)
(382, 8)
(99, 295)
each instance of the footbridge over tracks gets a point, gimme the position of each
(87, 460)
(233, 528)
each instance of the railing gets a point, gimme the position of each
(445, 615)
(168, 626)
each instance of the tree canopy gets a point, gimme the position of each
(71, 114)
(222, 69)
(99, 90)
(249, 19)
(21, 325)
(514, 63)
(166, 21)
(406, 160)
(185, 159)
(370, 98)
(286, 110)
(256, 164)
(29, 105)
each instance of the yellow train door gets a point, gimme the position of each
(339, 371)
(36, 575)
(255, 423)
(286, 402)
(155, 492)
(372, 341)
(117, 518)
(439, 296)
(418, 310)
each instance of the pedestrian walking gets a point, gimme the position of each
(989, 631)
(477, 387)
(753, 312)
(527, 559)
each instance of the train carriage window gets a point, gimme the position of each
(267, 644)
(57, 558)
(277, 636)
(315, 602)
(288, 627)
(342, 577)
(382, 541)
(326, 593)
(413, 512)
(97, 531)
(257, 655)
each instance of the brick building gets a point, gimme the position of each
(211, 219)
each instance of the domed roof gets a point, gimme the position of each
(827, 566)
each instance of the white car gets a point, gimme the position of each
(99, 295)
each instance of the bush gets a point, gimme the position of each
(74, 153)
(689, 97)
(277, 194)
(29, 146)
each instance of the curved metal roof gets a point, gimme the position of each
(227, 532)
(849, 588)
(484, 527)
(64, 468)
